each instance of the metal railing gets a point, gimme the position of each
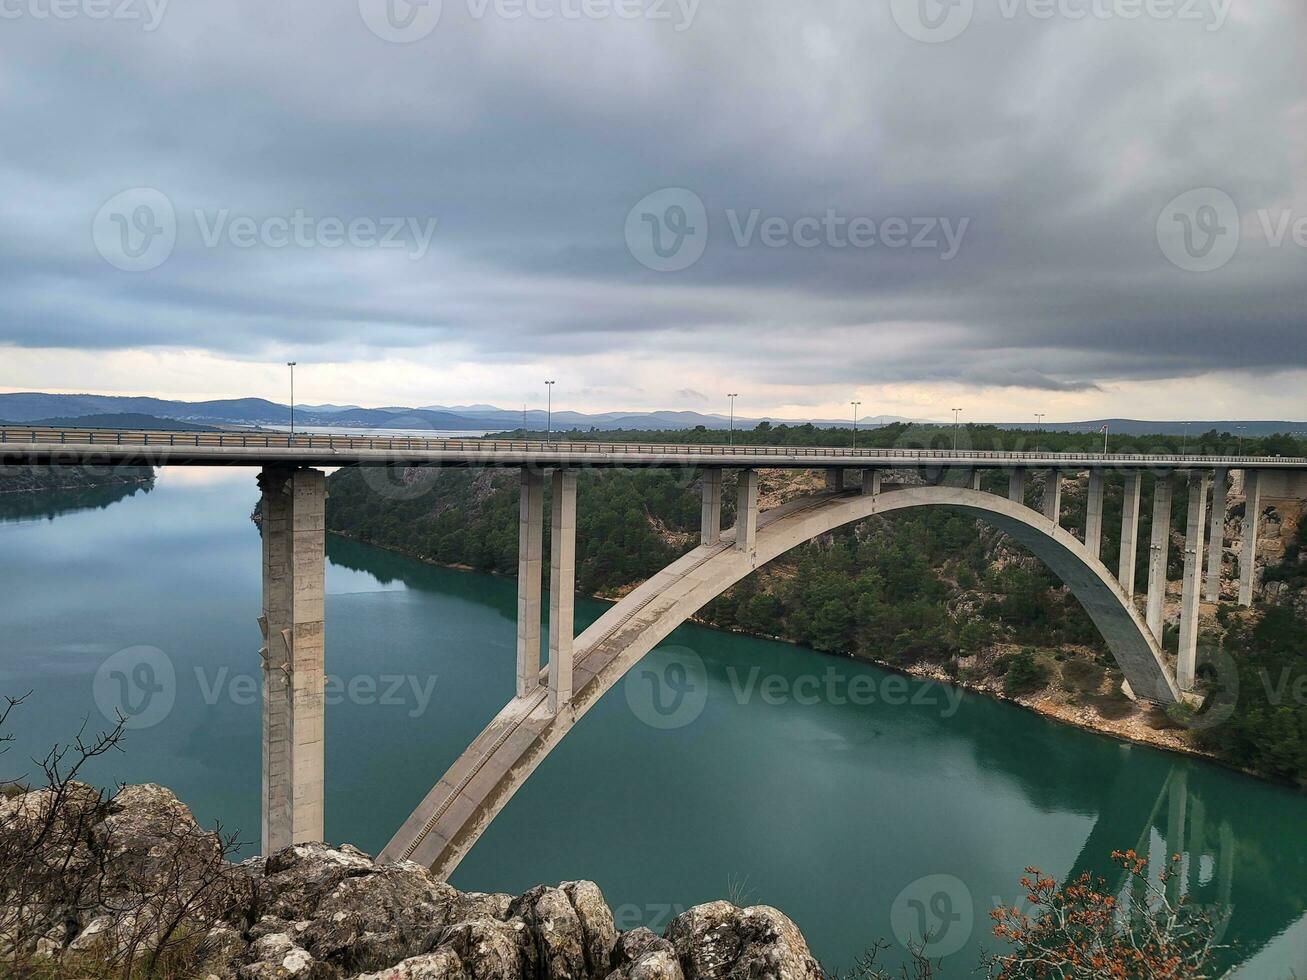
(483, 447)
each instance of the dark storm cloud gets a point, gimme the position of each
(1055, 144)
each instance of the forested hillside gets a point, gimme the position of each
(925, 590)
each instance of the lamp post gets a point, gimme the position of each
(956, 413)
(1184, 437)
(730, 439)
(291, 365)
(856, 406)
(549, 411)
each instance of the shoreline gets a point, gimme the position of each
(1043, 707)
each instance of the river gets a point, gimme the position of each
(861, 803)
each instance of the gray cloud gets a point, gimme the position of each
(1059, 142)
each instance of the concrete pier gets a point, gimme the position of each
(293, 527)
(835, 479)
(530, 560)
(1129, 533)
(1094, 514)
(1252, 518)
(710, 521)
(1195, 525)
(1216, 535)
(1159, 552)
(562, 587)
(1016, 486)
(871, 482)
(975, 479)
(1053, 496)
(746, 512)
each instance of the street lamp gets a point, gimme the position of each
(1039, 420)
(956, 413)
(291, 365)
(856, 406)
(730, 440)
(1184, 438)
(549, 411)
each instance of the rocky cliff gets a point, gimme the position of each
(132, 868)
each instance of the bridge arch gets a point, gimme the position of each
(453, 815)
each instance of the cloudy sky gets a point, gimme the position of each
(1079, 207)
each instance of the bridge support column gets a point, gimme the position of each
(746, 512)
(1016, 486)
(1216, 535)
(871, 482)
(1252, 517)
(530, 559)
(835, 479)
(975, 479)
(1129, 533)
(710, 531)
(1158, 553)
(1094, 514)
(562, 588)
(293, 527)
(1193, 571)
(1053, 496)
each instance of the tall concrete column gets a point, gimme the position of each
(835, 478)
(746, 512)
(1195, 525)
(562, 587)
(1158, 553)
(1053, 496)
(1016, 486)
(530, 561)
(1094, 514)
(1252, 518)
(1129, 533)
(293, 526)
(871, 482)
(975, 479)
(710, 521)
(1216, 535)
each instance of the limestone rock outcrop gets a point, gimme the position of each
(314, 912)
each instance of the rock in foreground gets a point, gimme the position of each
(321, 913)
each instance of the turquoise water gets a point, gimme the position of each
(860, 803)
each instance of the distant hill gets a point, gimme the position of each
(112, 411)
(119, 420)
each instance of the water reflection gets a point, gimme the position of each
(19, 506)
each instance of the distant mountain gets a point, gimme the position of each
(120, 420)
(28, 407)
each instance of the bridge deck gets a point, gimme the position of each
(19, 445)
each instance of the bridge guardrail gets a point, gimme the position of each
(333, 442)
